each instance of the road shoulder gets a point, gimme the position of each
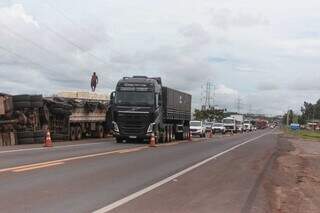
(294, 182)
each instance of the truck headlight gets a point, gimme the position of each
(150, 128)
(115, 126)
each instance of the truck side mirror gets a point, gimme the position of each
(112, 95)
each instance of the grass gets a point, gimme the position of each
(305, 134)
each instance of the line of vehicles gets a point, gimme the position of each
(233, 124)
(139, 108)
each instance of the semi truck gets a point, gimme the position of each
(142, 107)
(261, 124)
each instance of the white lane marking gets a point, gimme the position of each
(55, 147)
(170, 178)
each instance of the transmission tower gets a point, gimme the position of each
(208, 98)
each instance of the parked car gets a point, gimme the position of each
(218, 128)
(208, 126)
(197, 128)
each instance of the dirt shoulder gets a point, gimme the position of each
(294, 181)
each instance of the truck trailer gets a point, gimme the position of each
(74, 115)
(239, 121)
(142, 106)
(230, 124)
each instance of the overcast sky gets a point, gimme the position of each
(266, 53)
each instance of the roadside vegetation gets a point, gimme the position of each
(305, 134)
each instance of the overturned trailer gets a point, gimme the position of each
(24, 119)
(75, 115)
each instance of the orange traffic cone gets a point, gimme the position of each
(152, 142)
(190, 136)
(47, 140)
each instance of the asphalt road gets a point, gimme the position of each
(104, 175)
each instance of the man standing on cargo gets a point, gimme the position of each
(94, 82)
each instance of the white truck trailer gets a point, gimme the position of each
(239, 121)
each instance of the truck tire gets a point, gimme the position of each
(61, 105)
(119, 140)
(36, 98)
(21, 98)
(78, 133)
(73, 133)
(37, 104)
(60, 111)
(21, 105)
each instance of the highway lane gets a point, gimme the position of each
(233, 182)
(87, 184)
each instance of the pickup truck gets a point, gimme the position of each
(197, 128)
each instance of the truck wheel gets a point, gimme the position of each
(118, 140)
(21, 105)
(37, 104)
(79, 133)
(21, 98)
(73, 133)
(36, 98)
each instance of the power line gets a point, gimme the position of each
(30, 41)
(26, 59)
(63, 14)
(62, 37)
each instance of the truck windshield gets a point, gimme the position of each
(228, 121)
(134, 98)
(195, 123)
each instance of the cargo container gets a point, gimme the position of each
(142, 106)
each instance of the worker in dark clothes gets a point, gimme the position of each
(94, 82)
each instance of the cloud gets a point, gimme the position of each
(305, 85)
(249, 50)
(196, 34)
(224, 90)
(226, 18)
(15, 14)
(267, 86)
